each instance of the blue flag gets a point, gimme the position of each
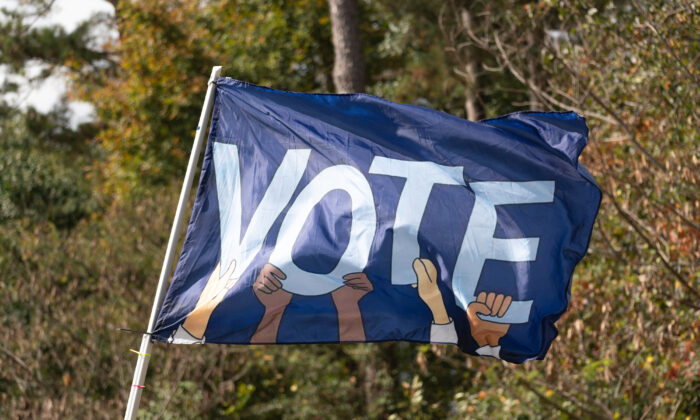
(326, 218)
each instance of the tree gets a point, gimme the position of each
(166, 51)
(74, 271)
(468, 57)
(627, 67)
(349, 66)
(44, 159)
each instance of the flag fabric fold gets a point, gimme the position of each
(324, 218)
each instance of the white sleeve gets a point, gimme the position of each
(489, 351)
(443, 333)
(182, 336)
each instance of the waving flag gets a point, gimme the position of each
(348, 218)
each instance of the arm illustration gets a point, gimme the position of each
(268, 289)
(486, 333)
(346, 300)
(192, 330)
(442, 329)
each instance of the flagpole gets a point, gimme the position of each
(145, 349)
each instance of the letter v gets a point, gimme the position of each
(276, 197)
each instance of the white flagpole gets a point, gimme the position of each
(145, 350)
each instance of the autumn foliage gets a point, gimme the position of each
(85, 211)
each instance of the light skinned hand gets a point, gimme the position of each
(214, 292)
(428, 289)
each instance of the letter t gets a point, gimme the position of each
(420, 178)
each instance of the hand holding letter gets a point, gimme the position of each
(346, 298)
(487, 332)
(268, 289)
(428, 289)
(212, 295)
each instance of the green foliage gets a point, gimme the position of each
(52, 45)
(44, 161)
(627, 67)
(151, 107)
(37, 186)
(37, 181)
(167, 48)
(74, 271)
(410, 62)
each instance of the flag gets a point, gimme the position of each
(324, 218)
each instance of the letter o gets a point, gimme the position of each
(362, 230)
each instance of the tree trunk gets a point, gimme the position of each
(472, 102)
(533, 45)
(349, 66)
(471, 97)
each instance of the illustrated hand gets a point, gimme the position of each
(346, 298)
(268, 288)
(428, 289)
(356, 285)
(217, 285)
(214, 292)
(487, 332)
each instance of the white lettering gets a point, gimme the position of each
(420, 178)
(276, 197)
(479, 244)
(363, 227)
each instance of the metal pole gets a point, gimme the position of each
(145, 350)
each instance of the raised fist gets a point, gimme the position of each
(487, 332)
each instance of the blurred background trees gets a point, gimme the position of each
(85, 208)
